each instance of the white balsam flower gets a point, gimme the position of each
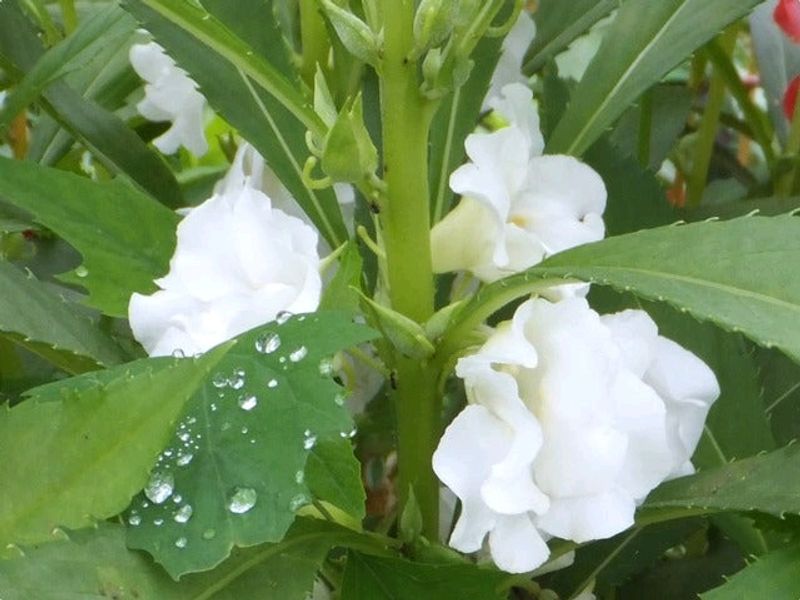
(518, 207)
(238, 263)
(170, 95)
(573, 419)
(509, 66)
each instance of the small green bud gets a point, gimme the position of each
(349, 153)
(356, 35)
(433, 23)
(407, 336)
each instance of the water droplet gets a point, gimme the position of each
(181, 542)
(237, 379)
(245, 430)
(213, 407)
(178, 353)
(191, 420)
(219, 381)
(160, 487)
(184, 437)
(326, 368)
(183, 514)
(81, 272)
(309, 440)
(135, 520)
(206, 17)
(248, 403)
(177, 498)
(283, 316)
(298, 501)
(272, 384)
(185, 459)
(340, 398)
(348, 434)
(242, 500)
(268, 343)
(299, 477)
(298, 354)
(158, 522)
(209, 534)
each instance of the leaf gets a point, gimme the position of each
(558, 24)
(613, 561)
(780, 378)
(39, 317)
(773, 576)
(238, 457)
(340, 292)
(79, 449)
(334, 474)
(636, 199)
(228, 77)
(94, 564)
(658, 36)
(372, 578)
(96, 219)
(738, 274)
(101, 131)
(757, 484)
(455, 119)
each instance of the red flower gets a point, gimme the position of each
(790, 97)
(787, 16)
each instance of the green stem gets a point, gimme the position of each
(406, 235)
(645, 128)
(707, 134)
(785, 185)
(69, 14)
(314, 38)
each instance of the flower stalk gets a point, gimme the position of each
(406, 235)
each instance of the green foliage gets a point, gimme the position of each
(76, 451)
(374, 578)
(238, 458)
(95, 564)
(657, 38)
(96, 220)
(35, 316)
(334, 474)
(753, 484)
(774, 576)
(737, 274)
(101, 131)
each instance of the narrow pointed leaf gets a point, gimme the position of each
(738, 274)
(774, 576)
(657, 37)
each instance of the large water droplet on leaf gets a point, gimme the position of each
(181, 542)
(237, 379)
(268, 343)
(242, 500)
(183, 514)
(272, 384)
(135, 520)
(160, 487)
(309, 440)
(248, 403)
(283, 316)
(298, 354)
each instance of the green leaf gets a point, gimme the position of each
(340, 292)
(238, 457)
(38, 317)
(773, 576)
(455, 119)
(107, 136)
(94, 564)
(373, 578)
(78, 450)
(738, 274)
(333, 474)
(96, 219)
(228, 84)
(558, 24)
(658, 36)
(756, 484)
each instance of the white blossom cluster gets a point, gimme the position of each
(572, 417)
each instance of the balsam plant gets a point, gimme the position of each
(399, 299)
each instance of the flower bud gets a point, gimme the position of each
(790, 98)
(349, 155)
(433, 23)
(787, 16)
(356, 35)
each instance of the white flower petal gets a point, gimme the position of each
(516, 545)
(586, 518)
